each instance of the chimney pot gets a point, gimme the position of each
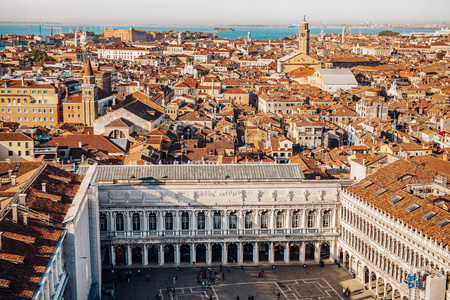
(23, 199)
(25, 218)
(10, 173)
(15, 212)
(44, 187)
(13, 180)
(80, 145)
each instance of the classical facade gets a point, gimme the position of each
(215, 214)
(394, 230)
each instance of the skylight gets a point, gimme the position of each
(380, 191)
(443, 222)
(395, 199)
(429, 215)
(412, 207)
(366, 184)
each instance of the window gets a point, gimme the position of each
(19, 110)
(119, 222)
(248, 221)
(263, 220)
(25, 110)
(201, 221)
(412, 207)
(152, 221)
(19, 144)
(10, 153)
(19, 153)
(26, 144)
(233, 221)
(326, 219)
(185, 221)
(395, 199)
(25, 118)
(217, 223)
(443, 223)
(169, 221)
(103, 223)
(34, 110)
(295, 219)
(429, 215)
(136, 222)
(27, 153)
(279, 220)
(10, 144)
(311, 219)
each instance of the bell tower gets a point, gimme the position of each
(89, 96)
(303, 37)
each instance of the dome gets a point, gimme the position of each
(83, 38)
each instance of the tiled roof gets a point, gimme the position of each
(14, 136)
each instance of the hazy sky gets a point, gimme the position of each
(231, 12)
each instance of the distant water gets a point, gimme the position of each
(259, 33)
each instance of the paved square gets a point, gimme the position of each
(291, 282)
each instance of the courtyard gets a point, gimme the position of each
(286, 281)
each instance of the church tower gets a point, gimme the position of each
(303, 37)
(89, 96)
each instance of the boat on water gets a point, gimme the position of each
(443, 31)
(293, 25)
(222, 29)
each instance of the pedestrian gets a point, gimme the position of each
(262, 273)
(210, 297)
(174, 280)
(278, 295)
(237, 297)
(148, 277)
(223, 276)
(259, 275)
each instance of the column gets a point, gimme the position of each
(288, 222)
(319, 218)
(225, 222)
(193, 253)
(112, 224)
(160, 221)
(240, 224)
(286, 252)
(209, 215)
(113, 255)
(271, 252)
(129, 225)
(317, 251)
(208, 253)
(224, 253)
(144, 224)
(129, 256)
(240, 253)
(304, 220)
(194, 220)
(145, 255)
(333, 254)
(255, 253)
(161, 254)
(256, 222)
(271, 221)
(334, 224)
(177, 254)
(302, 252)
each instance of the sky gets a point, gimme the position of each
(226, 12)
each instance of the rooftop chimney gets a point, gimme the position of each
(44, 187)
(13, 180)
(80, 145)
(15, 212)
(25, 218)
(10, 173)
(23, 199)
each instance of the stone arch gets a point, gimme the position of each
(389, 291)
(294, 251)
(278, 251)
(117, 134)
(248, 252)
(216, 252)
(232, 252)
(169, 254)
(200, 253)
(366, 275)
(153, 254)
(120, 255)
(381, 287)
(309, 251)
(325, 251)
(263, 251)
(185, 253)
(136, 255)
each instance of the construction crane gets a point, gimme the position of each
(51, 29)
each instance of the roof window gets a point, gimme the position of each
(412, 207)
(395, 199)
(443, 222)
(366, 184)
(429, 215)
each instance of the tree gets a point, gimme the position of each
(388, 33)
(40, 56)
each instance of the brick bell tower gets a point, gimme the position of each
(303, 37)
(89, 96)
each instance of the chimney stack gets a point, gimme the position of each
(15, 212)
(10, 173)
(80, 145)
(25, 218)
(23, 199)
(44, 187)
(13, 180)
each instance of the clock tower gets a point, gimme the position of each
(303, 37)
(89, 96)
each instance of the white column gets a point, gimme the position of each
(255, 253)
(129, 256)
(161, 217)
(208, 253)
(272, 221)
(177, 254)
(317, 251)
(145, 255)
(129, 225)
(240, 224)
(287, 224)
(286, 252)
(224, 253)
(144, 223)
(302, 252)
(319, 218)
(304, 220)
(112, 224)
(271, 258)
(194, 220)
(113, 255)
(240, 257)
(193, 253)
(225, 222)
(256, 222)
(209, 215)
(161, 254)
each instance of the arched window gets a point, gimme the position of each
(201, 221)
(119, 222)
(263, 220)
(295, 219)
(233, 220)
(248, 221)
(326, 219)
(217, 223)
(184, 221)
(311, 219)
(103, 223)
(169, 221)
(280, 222)
(136, 222)
(152, 221)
